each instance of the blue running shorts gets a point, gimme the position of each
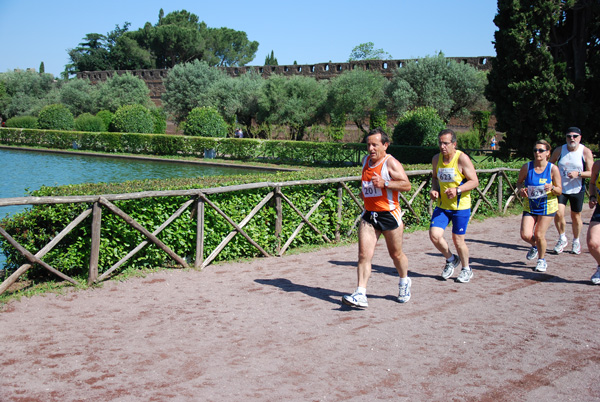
(460, 219)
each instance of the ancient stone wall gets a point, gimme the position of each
(154, 78)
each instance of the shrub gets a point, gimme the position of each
(378, 118)
(337, 127)
(56, 117)
(22, 122)
(133, 119)
(418, 127)
(160, 120)
(107, 117)
(468, 140)
(205, 122)
(88, 122)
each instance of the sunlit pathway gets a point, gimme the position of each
(274, 329)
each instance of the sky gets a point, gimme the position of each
(308, 31)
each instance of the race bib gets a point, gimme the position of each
(565, 169)
(536, 192)
(446, 175)
(369, 190)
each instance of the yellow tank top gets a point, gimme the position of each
(449, 176)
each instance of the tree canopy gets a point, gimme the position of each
(355, 94)
(546, 73)
(446, 85)
(177, 37)
(367, 51)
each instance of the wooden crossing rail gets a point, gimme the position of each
(199, 199)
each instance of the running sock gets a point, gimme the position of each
(563, 236)
(468, 268)
(450, 259)
(576, 240)
(403, 281)
(361, 290)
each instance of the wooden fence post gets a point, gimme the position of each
(340, 194)
(500, 193)
(279, 218)
(199, 233)
(95, 251)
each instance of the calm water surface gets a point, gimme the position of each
(23, 171)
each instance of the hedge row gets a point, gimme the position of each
(273, 151)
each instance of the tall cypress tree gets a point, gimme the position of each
(539, 75)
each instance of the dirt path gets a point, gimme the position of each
(274, 329)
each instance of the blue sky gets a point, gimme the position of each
(309, 31)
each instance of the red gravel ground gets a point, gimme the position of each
(274, 329)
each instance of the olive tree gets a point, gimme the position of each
(121, 90)
(297, 102)
(355, 94)
(451, 88)
(186, 87)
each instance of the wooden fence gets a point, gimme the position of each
(199, 199)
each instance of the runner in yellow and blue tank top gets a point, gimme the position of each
(453, 179)
(593, 234)
(539, 181)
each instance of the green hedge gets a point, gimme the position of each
(249, 149)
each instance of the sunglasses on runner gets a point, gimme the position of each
(539, 150)
(572, 136)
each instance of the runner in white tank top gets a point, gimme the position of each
(575, 162)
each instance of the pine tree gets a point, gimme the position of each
(271, 60)
(42, 69)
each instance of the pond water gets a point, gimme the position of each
(23, 171)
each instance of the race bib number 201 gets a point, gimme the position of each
(369, 190)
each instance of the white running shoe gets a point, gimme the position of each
(596, 277)
(541, 266)
(356, 300)
(532, 253)
(576, 247)
(465, 275)
(560, 245)
(449, 267)
(404, 291)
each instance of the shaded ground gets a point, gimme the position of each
(274, 329)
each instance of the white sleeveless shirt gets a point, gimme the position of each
(570, 161)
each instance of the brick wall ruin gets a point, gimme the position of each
(154, 78)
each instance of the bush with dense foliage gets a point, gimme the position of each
(160, 120)
(121, 90)
(468, 140)
(418, 127)
(107, 117)
(89, 122)
(133, 119)
(22, 122)
(205, 122)
(56, 117)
